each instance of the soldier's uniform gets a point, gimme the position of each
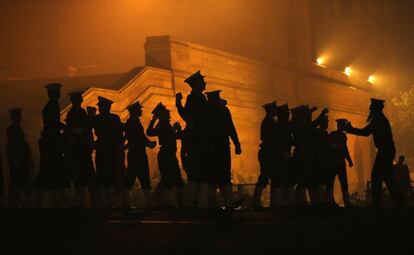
(382, 170)
(137, 156)
(338, 150)
(79, 142)
(53, 173)
(186, 151)
(109, 148)
(266, 152)
(167, 159)
(19, 157)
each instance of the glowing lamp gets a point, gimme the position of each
(320, 61)
(371, 79)
(348, 71)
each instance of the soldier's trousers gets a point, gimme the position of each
(267, 166)
(338, 168)
(169, 169)
(137, 168)
(383, 172)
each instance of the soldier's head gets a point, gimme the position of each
(270, 109)
(135, 109)
(53, 90)
(341, 124)
(213, 97)
(196, 82)
(300, 114)
(104, 105)
(376, 106)
(16, 115)
(76, 98)
(401, 159)
(283, 112)
(161, 112)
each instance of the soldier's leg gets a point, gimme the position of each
(392, 186)
(144, 180)
(262, 181)
(376, 182)
(343, 179)
(128, 185)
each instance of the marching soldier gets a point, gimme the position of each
(167, 159)
(137, 156)
(53, 175)
(79, 142)
(320, 163)
(196, 110)
(402, 176)
(339, 153)
(109, 152)
(382, 170)
(222, 129)
(19, 160)
(266, 152)
(281, 192)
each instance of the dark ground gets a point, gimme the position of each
(285, 231)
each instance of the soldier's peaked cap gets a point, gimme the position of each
(134, 106)
(195, 77)
(283, 107)
(159, 109)
(15, 110)
(103, 100)
(53, 86)
(76, 94)
(270, 105)
(213, 94)
(377, 102)
(341, 121)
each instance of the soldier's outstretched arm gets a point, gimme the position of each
(366, 131)
(151, 131)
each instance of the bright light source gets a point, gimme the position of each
(320, 61)
(371, 79)
(348, 71)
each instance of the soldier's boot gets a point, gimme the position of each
(212, 197)
(331, 199)
(228, 195)
(202, 198)
(300, 196)
(290, 196)
(257, 197)
(190, 194)
(345, 197)
(125, 198)
(171, 198)
(276, 199)
(147, 198)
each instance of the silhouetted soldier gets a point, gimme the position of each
(222, 129)
(19, 160)
(303, 131)
(281, 191)
(109, 151)
(402, 176)
(167, 159)
(137, 155)
(196, 110)
(320, 162)
(339, 152)
(53, 175)
(380, 128)
(266, 152)
(79, 142)
(186, 151)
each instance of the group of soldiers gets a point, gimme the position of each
(306, 176)
(297, 154)
(66, 152)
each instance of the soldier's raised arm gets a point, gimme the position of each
(366, 131)
(151, 130)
